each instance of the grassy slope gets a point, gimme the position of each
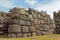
(45, 37)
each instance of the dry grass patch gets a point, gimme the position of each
(45, 37)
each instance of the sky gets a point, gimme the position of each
(46, 5)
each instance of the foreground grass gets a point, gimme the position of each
(45, 37)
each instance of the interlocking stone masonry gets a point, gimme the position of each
(19, 22)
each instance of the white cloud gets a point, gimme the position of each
(6, 4)
(31, 2)
(53, 6)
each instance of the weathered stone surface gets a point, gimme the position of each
(46, 27)
(38, 32)
(32, 23)
(41, 25)
(21, 22)
(18, 10)
(14, 21)
(29, 34)
(1, 19)
(35, 21)
(28, 18)
(34, 34)
(1, 25)
(32, 29)
(38, 21)
(25, 35)
(9, 35)
(57, 22)
(13, 35)
(41, 29)
(28, 23)
(23, 17)
(41, 21)
(43, 33)
(31, 18)
(25, 29)
(19, 35)
(14, 28)
(25, 23)
(15, 16)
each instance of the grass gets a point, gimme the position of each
(45, 37)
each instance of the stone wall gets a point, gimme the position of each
(4, 19)
(1, 24)
(20, 22)
(57, 21)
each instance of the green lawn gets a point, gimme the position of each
(45, 37)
